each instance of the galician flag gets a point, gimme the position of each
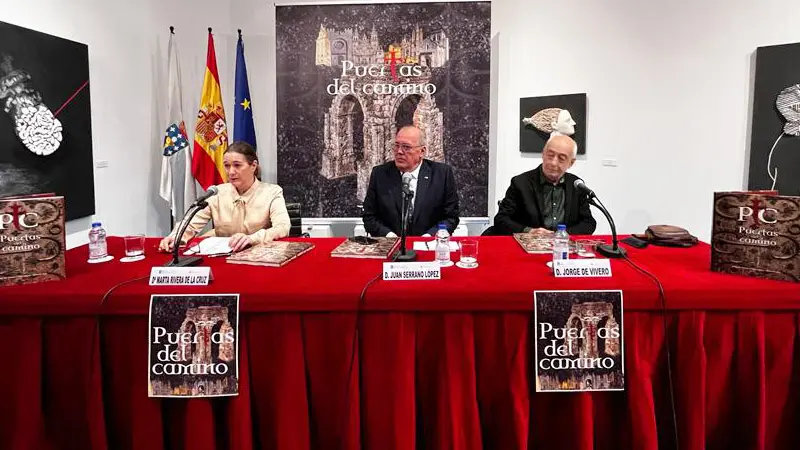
(177, 184)
(243, 127)
(211, 132)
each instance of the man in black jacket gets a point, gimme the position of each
(435, 193)
(540, 199)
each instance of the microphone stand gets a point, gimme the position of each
(405, 255)
(613, 250)
(186, 261)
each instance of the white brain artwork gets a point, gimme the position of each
(34, 123)
(38, 129)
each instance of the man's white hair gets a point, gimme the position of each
(422, 140)
(574, 144)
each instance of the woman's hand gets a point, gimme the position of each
(239, 241)
(166, 244)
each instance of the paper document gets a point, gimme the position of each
(210, 246)
(431, 246)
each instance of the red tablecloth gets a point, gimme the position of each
(438, 364)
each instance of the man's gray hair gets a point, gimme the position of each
(422, 141)
(574, 144)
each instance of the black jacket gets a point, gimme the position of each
(521, 206)
(435, 201)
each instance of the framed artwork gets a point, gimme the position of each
(539, 117)
(349, 76)
(45, 122)
(775, 132)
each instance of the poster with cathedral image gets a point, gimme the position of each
(349, 76)
(193, 346)
(578, 341)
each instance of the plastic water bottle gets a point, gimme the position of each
(98, 247)
(443, 246)
(560, 243)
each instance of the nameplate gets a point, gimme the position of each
(180, 276)
(582, 268)
(429, 270)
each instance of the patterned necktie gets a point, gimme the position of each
(411, 200)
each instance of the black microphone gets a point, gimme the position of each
(403, 254)
(581, 186)
(407, 184)
(609, 251)
(212, 191)
(198, 204)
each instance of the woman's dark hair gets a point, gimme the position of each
(249, 153)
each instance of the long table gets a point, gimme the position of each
(440, 364)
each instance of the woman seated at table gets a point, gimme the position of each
(246, 209)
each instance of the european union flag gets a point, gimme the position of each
(244, 129)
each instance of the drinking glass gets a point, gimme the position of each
(468, 258)
(585, 248)
(134, 246)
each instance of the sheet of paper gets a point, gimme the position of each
(431, 246)
(210, 246)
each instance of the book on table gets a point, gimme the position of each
(32, 239)
(756, 234)
(271, 254)
(366, 247)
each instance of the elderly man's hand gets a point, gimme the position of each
(543, 232)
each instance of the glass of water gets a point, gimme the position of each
(469, 254)
(585, 248)
(134, 246)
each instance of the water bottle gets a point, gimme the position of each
(560, 243)
(98, 248)
(443, 246)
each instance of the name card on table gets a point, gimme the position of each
(582, 268)
(180, 276)
(428, 270)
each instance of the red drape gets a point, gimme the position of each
(437, 365)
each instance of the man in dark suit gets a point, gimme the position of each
(433, 184)
(540, 199)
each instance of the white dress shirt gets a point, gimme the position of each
(413, 186)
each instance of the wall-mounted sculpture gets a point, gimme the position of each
(542, 117)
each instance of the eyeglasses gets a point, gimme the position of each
(405, 148)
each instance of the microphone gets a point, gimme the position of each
(198, 204)
(581, 186)
(403, 254)
(212, 191)
(407, 184)
(609, 251)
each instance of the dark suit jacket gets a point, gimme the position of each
(435, 201)
(521, 206)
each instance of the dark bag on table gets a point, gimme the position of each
(668, 236)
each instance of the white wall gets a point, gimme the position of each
(668, 88)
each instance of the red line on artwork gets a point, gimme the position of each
(72, 97)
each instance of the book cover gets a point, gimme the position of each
(579, 341)
(194, 346)
(372, 247)
(534, 244)
(32, 239)
(756, 234)
(272, 254)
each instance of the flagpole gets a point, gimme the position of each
(171, 216)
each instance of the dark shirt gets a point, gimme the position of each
(553, 202)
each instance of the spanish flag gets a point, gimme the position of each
(211, 133)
